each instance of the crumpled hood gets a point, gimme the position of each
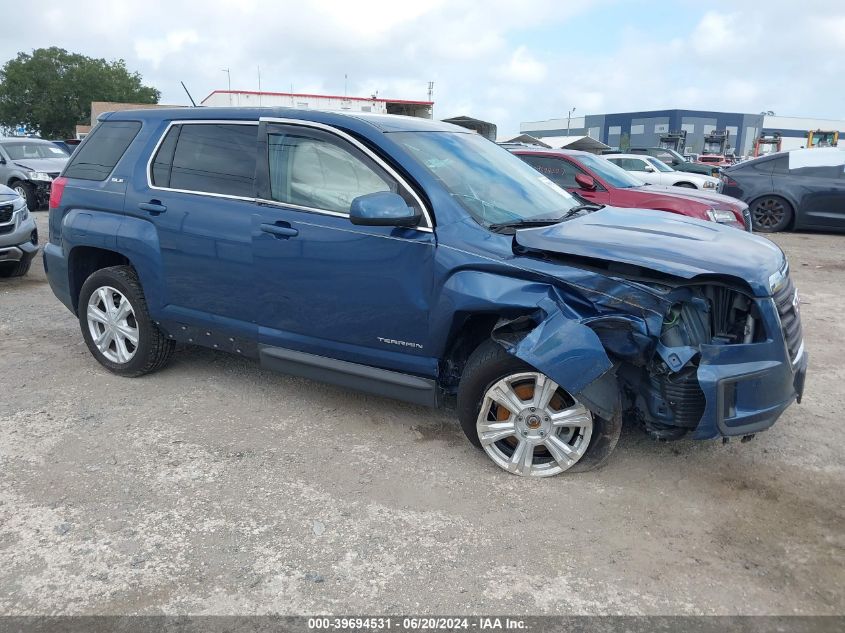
(671, 244)
(48, 165)
(711, 198)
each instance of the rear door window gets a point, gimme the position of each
(216, 158)
(97, 157)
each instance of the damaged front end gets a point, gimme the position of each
(697, 358)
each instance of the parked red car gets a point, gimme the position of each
(599, 180)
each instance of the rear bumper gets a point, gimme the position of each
(56, 268)
(748, 387)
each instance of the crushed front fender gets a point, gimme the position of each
(566, 350)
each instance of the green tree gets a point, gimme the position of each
(51, 90)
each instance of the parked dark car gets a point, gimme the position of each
(419, 261)
(675, 160)
(599, 180)
(799, 189)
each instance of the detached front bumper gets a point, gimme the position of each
(747, 387)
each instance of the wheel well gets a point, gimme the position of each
(83, 261)
(788, 202)
(470, 332)
(685, 183)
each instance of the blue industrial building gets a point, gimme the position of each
(645, 129)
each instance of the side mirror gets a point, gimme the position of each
(382, 208)
(586, 182)
(649, 168)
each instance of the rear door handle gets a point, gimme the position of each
(153, 206)
(280, 231)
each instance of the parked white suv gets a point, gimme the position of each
(655, 172)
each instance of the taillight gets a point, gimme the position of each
(56, 191)
(730, 182)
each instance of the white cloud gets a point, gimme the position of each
(158, 50)
(523, 68)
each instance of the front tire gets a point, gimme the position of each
(525, 422)
(116, 325)
(27, 192)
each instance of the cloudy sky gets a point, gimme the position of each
(499, 60)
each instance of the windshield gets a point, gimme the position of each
(659, 165)
(21, 150)
(492, 184)
(612, 174)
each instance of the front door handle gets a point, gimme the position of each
(153, 206)
(280, 231)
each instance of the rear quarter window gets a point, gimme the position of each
(97, 157)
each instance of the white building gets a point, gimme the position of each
(251, 98)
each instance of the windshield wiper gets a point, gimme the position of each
(525, 222)
(582, 207)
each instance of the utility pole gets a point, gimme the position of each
(259, 85)
(568, 119)
(229, 76)
(431, 96)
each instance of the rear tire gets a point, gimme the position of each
(771, 214)
(488, 366)
(116, 325)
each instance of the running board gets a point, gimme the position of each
(381, 382)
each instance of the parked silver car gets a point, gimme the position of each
(28, 165)
(18, 235)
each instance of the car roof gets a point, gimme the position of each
(547, 151)
(639, 156)
(382, 122)
(23, 139)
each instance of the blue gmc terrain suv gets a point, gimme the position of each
(417, 260)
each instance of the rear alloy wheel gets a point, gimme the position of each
(529, 426)
(770, 214)
(116, 325)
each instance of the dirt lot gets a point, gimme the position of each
(217, 487)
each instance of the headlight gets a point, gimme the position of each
(709, 184)
(39, 175)
(778, 279)
(717, 215)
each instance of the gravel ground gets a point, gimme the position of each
(217, 487)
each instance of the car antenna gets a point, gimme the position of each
(193, 103)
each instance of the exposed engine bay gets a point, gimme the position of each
(663, 393)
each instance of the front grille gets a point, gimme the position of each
(746, 218)
(8, 228)
(6, 212)
(786, 300)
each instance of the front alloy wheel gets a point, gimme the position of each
(529, 426)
